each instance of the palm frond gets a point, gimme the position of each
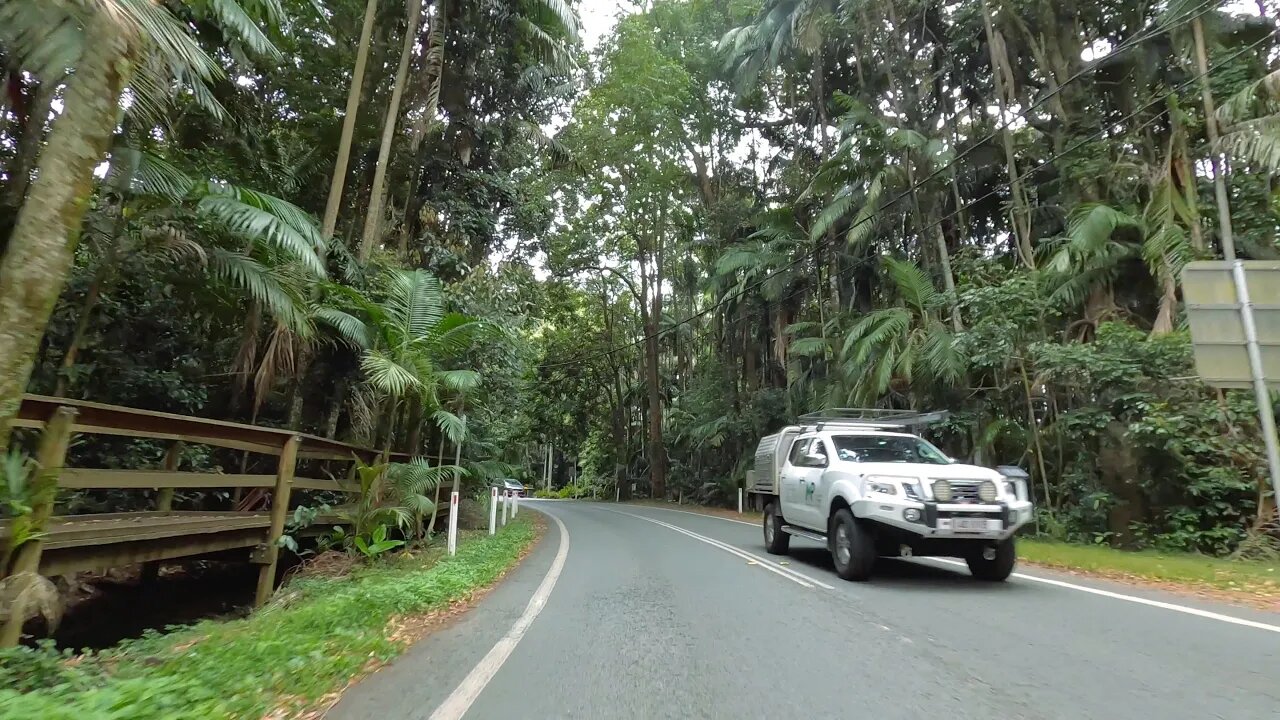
(1093, 225)
(261, 284)
(454, 427)
(348, 327)
(912, 285)
(268, 219)
(415, 302)
(864, 223)
(832, 213)
(236, 23)
(459, 380)
(565, 16)
(1257, 144)
(387, 376)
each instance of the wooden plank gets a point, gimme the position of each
(300, 483)
(84, 478)
(279, 510)
(101, 557)
(75, 535)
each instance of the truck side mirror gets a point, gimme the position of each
(815, 459)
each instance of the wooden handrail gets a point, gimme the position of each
(101, 419)
(84, 479)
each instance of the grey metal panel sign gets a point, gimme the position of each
(1217, 332)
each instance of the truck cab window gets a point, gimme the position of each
(798, 449)
(887, 449)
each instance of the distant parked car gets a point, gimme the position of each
(514, 486)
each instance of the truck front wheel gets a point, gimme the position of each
(993, 563)
(853, 547)
(775, 541)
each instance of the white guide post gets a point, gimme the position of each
(739, 501)
(506, 505)
(493, 510)
(453, 523)
(515, 503)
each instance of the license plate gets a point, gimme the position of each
(973, 524)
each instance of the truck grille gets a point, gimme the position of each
(964, 492)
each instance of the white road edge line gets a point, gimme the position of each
(1133, 599)
(788, 573)
(458, 702)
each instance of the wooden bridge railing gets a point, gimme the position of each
(101, 541)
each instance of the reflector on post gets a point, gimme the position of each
(493, 510)
(453, 523)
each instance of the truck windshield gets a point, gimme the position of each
(888, 449)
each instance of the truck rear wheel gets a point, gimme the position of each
(853, 547)
(775, 541)
(996, 568)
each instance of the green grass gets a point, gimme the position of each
(1179, 568)
(318, 634)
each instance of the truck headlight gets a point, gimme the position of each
(942, 491)
(987, 491)
(885, 484)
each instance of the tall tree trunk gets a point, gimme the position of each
(42, 245)
(948, 277)
(1000, 72)
(24, 158)
(373, 218)
(335, 408)
(1185, 178)
(349, 122)
(1225, 232)
(651, 290)
(425, 123)
(82, 322)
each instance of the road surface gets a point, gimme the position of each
(651, 613)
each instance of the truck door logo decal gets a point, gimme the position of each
(808, 492)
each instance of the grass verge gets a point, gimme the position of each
(312, 639)
(1250, 583)
(1214, 575)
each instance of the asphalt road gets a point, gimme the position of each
(658, 614)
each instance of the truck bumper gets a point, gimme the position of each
(996, 521)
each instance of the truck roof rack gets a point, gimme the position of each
(871, 418)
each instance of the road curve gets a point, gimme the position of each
(663, 614)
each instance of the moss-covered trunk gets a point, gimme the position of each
(43, 242)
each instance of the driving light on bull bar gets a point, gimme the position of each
(942, 491)
(987, 491)
(911, 515)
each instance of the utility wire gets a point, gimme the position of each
(1201, 10)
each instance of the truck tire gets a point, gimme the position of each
(853, 547)
(776, 542)
(998, 568)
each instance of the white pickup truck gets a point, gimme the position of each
(854, 480)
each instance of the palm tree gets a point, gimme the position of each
(111, 45)
(396, 494)
(403, 338)
(279, 245)
(900, 348)
(780, 25)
